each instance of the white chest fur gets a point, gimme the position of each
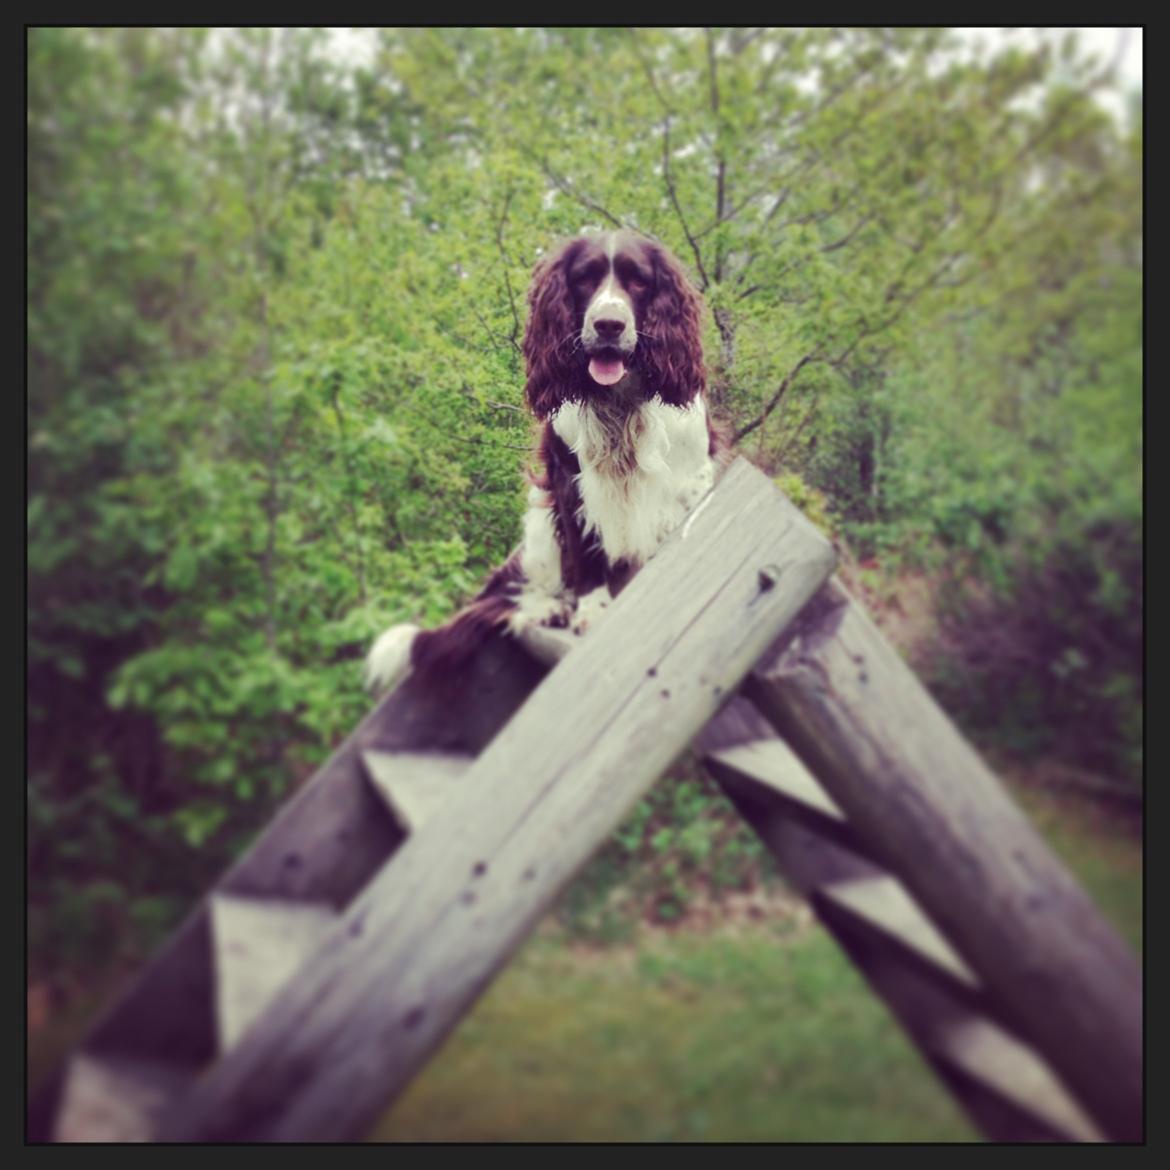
(637, 484)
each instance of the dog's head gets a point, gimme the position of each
(609, 312)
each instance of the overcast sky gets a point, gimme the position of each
(357, 45)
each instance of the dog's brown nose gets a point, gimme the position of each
(609, 330)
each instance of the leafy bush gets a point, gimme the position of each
(683, 840)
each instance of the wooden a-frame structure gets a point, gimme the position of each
(329, 963)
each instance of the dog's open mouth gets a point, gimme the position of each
(607, 367)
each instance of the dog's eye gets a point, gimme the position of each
(637, 284)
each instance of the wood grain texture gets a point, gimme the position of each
(424, 940)
(881, 904)
(323, 846)
(985, 1053)
(331, 838)
(1056, 971)
(107, 1099)
(772, 765)
(415, 785)
(258, 944)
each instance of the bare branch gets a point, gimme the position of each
(728, 216)
(790, 442)
(682, 219)
(564, 185)
(845, 239)
(738, 44)
(721, 168)
(711, 71)
(646, 67)
(471, 396)
(774, 401)
(515, 334)
(481, 443)
(491, 333)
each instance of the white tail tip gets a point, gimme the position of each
(388, 661)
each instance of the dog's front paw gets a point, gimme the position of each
(539, 609)
(590, 609)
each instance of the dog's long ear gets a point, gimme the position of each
(550, 335)
(673, 359)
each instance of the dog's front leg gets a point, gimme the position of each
(543, 598)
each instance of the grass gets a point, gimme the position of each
(758, 1031)
(728, 1036)
(1102, 849)
(756, 1034)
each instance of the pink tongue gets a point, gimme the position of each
(606, 371)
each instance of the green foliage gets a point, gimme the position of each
(681, 841)
(275, 387)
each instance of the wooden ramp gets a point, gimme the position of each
(326, 967)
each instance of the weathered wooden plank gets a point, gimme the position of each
(330, 839)
(107, 1099)
(548, 645)
(772, 765)
(168, 1013)
(426, 937)
(998, 1061)
(165, 1019)
(258, 944)
(323, 845)
(881, 904)
(910, 784)
(415, 785)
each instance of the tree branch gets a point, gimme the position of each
(515, 334)
(682, 219)
(781, 390)
(848, 235)
(564, 185)
(666, 107)
(721, 167)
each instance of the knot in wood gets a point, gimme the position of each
(768, 577)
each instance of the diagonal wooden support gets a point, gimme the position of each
(1005, 1085)
(422, 941)
(926, 805)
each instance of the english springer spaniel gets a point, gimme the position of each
(615, 374)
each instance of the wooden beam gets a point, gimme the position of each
(917, 792)
(415, 784)
(770, 764)
(880, 905)
(416, 948)
(258, 944)
(323, 845)
(1004, 1097)
(112, 1099)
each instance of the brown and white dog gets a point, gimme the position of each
(615, 374)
